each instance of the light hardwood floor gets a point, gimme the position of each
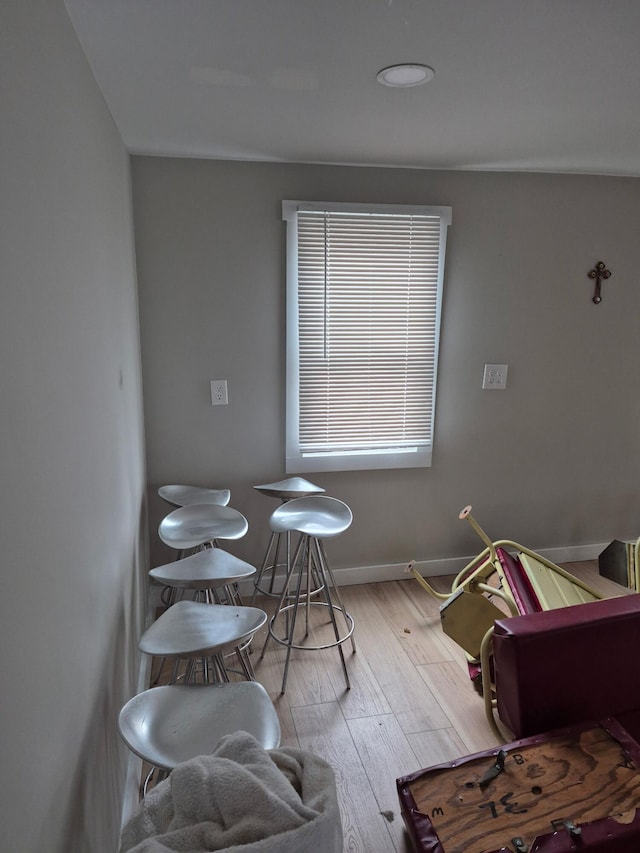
(411, 703)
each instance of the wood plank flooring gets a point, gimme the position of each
(411, 703)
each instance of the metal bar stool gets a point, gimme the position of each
(315, 519)
(285, 490)
(197, 633)
(206, 573)
(168, 725)
(187, 495)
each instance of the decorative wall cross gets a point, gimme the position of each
(600, 273)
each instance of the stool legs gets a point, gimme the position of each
(308, 566)
(211, 669)
(275, 547)
(275, 543)
(326, 568)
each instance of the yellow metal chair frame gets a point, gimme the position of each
(475, 575)
(471, 594)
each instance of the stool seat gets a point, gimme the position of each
(203, 570)
(318, 516)
(190, 629)
(174, 723)
(187, 495)
(197, 524)
(293, 487)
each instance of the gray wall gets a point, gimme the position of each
(553, 461)
(72, 500)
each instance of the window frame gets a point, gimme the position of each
(295, 460)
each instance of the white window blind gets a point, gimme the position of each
(364, 295)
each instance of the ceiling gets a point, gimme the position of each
(520, 85)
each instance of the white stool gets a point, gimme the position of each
(315, 518)
(187, 495)
(168, 725)
(285, 490)
(193, 631)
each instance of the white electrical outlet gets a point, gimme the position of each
(219, 396)
(495, 376)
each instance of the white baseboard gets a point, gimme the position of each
(574, 553)
(435, 568)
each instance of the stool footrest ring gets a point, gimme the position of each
(287, 641)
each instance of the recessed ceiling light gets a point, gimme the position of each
(406, 74)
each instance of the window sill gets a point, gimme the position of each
(299, 464)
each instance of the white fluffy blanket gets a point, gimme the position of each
(241, 799)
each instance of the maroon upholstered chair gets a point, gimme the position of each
(560, 667)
